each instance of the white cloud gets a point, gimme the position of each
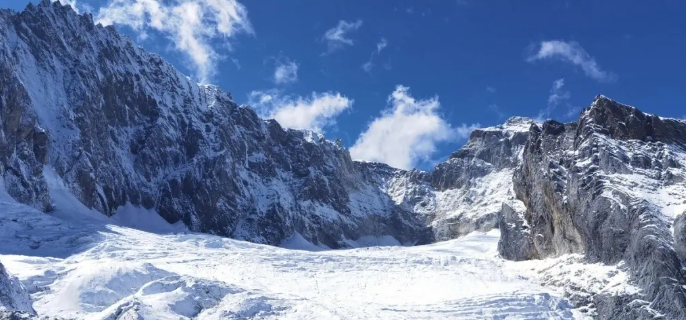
(381, 45)
(72, 3)
(557, 96)
(367, 66)
(285, 72)
(336, 37)
(496, 109)
(312, 113)
(236, 63)
(572, 112)
(407, 132)
(573, 53)
(190, 24)
(490, 89)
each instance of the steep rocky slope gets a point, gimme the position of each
(14, 299)
(611, 186)
(465, 192)
(121, 126)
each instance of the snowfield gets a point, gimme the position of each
(79, 264)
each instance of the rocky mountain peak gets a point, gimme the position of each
(624, 122)
(608, 186)
(498, 145)
(116, 126)
(517, 123)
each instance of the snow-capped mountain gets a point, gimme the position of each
(465, 192)
(612, 186)
(93, 127)
(121, 127)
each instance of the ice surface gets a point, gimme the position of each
(124, 273)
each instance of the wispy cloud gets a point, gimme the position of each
(286, 71)
(497, 110)
(406, 132)
(313, 113)
(190, 24)
(490, 89)
(381, 45)
(236, 63)
(556, 97)
(367, 66)
(336, 38)
(573, 53)
(72, 3)
(572, 112)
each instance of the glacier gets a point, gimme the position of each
(127, 191)
(97, 268)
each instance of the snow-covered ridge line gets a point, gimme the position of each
(90, 97)
(184, 150)
(118, 128)
(610, 186)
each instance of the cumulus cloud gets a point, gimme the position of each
(556, 97)
(336, 37)
(367, 66)
(190, 24)
(573, 53)
(406, 132)
(312, 113)
(285, 72)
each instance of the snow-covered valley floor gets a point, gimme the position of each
(87, 267)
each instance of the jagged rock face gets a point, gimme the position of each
(23, 144)
(680, 237)
(13, 296)
(120, 125)
(609, 185)
(464, 193)
(516, 242)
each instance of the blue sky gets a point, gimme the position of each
(403, 82)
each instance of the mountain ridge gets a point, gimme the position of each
(120, 126)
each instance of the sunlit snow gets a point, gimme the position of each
(81, 267)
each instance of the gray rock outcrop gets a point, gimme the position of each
(13, 296)
(121, 126)
(593, 187)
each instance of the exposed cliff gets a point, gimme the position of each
(14, 299)
(610, 186)
(121, 126)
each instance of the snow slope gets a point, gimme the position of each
(95, 269)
